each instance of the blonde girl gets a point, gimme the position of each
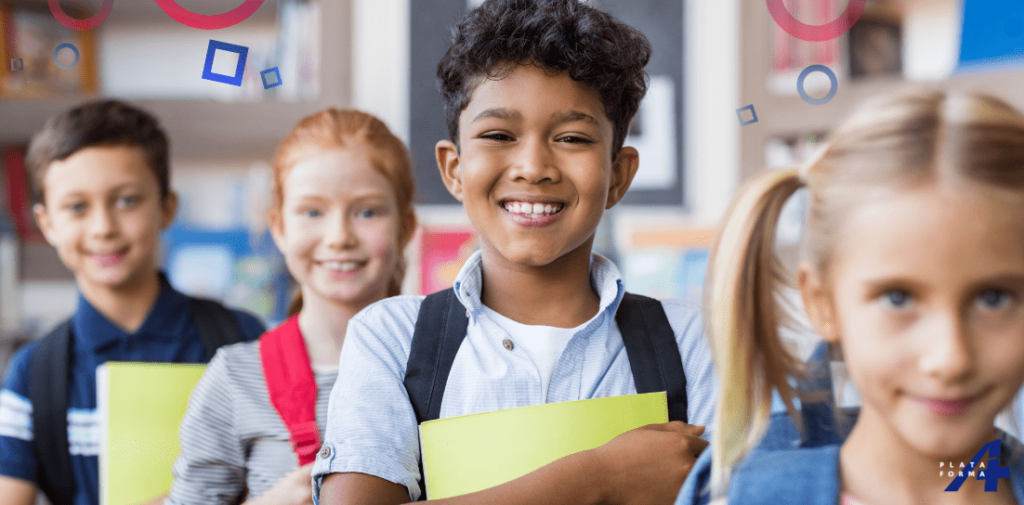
(342, 215)
(913, 265)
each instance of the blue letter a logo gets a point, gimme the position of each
(990, 474)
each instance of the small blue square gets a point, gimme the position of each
(739, 113)
(234, 80)
(20, 62)
(271, 78)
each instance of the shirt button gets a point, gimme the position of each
(325, 452)
(467, 312)
(507, 344)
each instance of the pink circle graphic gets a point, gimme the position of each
(81, 24)
(816, 33)
(214, 22)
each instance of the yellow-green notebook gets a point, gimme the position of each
(140, 406)
(470, 453)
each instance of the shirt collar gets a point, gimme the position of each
(166, 320)
(604, 277)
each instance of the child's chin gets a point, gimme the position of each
(114, 277)
(538, 259)
(944, 443)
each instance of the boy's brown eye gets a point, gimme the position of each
(573, 139)
(496, 136)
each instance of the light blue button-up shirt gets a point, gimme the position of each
(371, 426)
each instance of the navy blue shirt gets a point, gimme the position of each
(167, 335)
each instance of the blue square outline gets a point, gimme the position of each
(277, 73)
(21, 64)
(739, 114)
(211, 51)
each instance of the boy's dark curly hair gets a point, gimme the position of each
(100, 123)
(559, 35)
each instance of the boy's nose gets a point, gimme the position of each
(948, 349)
(103, 222)
(535, 163)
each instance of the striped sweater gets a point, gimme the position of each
(233, 442)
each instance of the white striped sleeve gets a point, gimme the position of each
(15, 416)
(211, 466)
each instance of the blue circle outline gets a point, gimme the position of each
(832, 89)
(57, 51)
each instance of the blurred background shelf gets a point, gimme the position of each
(207, 121)
(923, 37)
(201, 131)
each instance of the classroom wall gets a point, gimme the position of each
(712, 92)
(380, 69)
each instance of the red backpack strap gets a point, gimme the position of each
(292, 386)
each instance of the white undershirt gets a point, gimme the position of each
(543, 344)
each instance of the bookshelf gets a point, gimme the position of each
(930, 41)
(207, 129)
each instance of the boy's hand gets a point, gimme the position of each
(295, 488)
(647, 466)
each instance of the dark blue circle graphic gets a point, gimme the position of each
(832, 89)
(73, 49)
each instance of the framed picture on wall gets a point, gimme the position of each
(41, 57)
(876, 47)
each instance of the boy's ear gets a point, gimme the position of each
(624, 168)
(817, 302)
(448, 163)
(44, 222)
(169, 210)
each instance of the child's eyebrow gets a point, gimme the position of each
(128, 186)
(572, 116)
(74, 195)
(315, 196)
(1006, 280)
(498, 113)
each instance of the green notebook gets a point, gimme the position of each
(140, 406)
(470, 453)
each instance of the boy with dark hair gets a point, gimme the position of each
(102, 190)
(539, 95)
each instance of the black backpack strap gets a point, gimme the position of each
(653, 351)
(48, 392)
(216, 324)
(440, 329)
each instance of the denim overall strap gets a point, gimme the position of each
(805, 476)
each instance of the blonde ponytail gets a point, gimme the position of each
(743, 320)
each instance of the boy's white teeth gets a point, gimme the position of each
(533, 209)
(341, 266)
